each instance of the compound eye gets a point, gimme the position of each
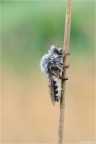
(56, 51)
(59, 51)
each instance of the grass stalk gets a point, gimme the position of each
(64, 73)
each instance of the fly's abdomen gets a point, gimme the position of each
(57, 89)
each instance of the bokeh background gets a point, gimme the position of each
(28, 28)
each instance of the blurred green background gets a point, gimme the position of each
(28, 28)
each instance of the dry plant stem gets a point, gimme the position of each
(64, 74)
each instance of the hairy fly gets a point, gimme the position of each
(52, 66)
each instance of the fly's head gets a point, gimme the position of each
(55, 50)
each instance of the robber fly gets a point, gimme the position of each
(52, 65)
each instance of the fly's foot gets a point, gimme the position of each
(66, 78)
(63, 78)
(66, 66)
(66, 54)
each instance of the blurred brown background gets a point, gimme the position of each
(28, 28)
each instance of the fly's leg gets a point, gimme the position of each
(66, 66)
(63, 78)
(54, 69)
(60, 77)
(64, 54)
(62, 66)
(56, 72)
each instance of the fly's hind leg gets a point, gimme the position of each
(63, 78)
(59, 76)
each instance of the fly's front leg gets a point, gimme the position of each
(64, 54)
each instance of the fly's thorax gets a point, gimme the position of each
(44, 62)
